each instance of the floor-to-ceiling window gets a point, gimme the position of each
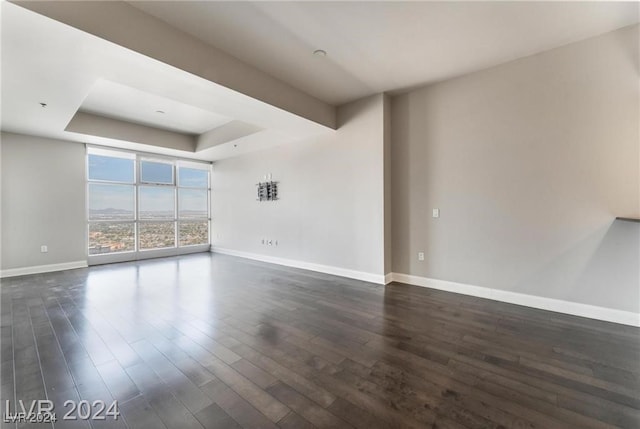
(142, 206)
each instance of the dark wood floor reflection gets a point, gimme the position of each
(220, 342)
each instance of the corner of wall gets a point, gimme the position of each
(388, 255)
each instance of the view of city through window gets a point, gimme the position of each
(166, 206)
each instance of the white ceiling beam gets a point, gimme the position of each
(225, 133)
(127, 26)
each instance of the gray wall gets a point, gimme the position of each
(43, 201)
(331, 207)
(387, 185)
(529, 163)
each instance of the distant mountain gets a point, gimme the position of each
(110, 211)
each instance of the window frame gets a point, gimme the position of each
(138, 158)
(174, 175)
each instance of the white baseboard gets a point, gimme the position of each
(327, 269)
(23, 271)
(550, 304)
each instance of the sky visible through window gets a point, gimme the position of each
(112, 198)
(193, 178)
(156, 202)
(156, 172)
(111, 169)
(192, 200)
(120, 198)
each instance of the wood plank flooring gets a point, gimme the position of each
(220, 342)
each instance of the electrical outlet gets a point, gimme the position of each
(436, 213)
(44, 249)
(420, 256)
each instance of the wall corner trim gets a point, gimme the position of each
(327, 269)
(539, 302)
(38, 269)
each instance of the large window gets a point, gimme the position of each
(141, 206)
(193, 206)
(112, 202)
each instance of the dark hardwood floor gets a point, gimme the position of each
(220, 342)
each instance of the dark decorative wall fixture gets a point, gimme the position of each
(267, 191)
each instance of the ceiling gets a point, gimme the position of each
(98, 92)
(102, 87)
(375, 47)
(119, 101)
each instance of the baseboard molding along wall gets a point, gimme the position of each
(326, 269)
(539, 302)
(38, 269)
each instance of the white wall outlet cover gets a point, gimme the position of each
(44, 249)
(420, 256)
(436, 213)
